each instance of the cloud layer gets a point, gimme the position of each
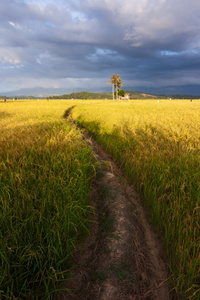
(152, 44)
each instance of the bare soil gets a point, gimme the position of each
(122, 257)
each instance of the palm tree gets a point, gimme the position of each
(113, 83)
(118, 84)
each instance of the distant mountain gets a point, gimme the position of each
(140, 95)
(133, 95)
(184, 91)
(89, 95)
(35, 92)
(62, 93)
(83, 95)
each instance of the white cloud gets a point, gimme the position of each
(9, 56)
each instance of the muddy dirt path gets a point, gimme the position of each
(122, 256)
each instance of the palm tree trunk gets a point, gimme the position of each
(113, 91)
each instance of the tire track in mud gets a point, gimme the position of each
(122, 257)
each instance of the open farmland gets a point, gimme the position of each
(46, 171)
(45, 175)
(158, 147)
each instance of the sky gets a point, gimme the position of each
(154, 45)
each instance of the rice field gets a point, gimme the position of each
(46, 170)
(157, 144)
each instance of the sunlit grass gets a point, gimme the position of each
(45, 174)
(158, 146)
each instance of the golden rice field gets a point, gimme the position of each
(46, 170)
(158, 147)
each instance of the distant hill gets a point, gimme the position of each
(88, 95)
(58, 93)
(34, 92)
(178, 96)
(140, 95)
(83, 95)
(133, 95)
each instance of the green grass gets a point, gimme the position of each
(46, 171)
(158, 147)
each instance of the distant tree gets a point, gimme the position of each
(4, 99)
(112, 81)
(118, 84)
(121, 93)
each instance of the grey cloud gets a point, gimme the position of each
(146, 41)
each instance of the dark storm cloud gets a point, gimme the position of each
(150, 43)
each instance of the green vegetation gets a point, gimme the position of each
(133, 94)
(91, 96)
(158, 147)
(121, 93)
(46, 171)
(83, 95)
(45, 174)
(97, 96)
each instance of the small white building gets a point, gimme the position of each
(126, 97)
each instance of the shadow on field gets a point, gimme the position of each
(4, 114)
(68, 112)
(45, 175)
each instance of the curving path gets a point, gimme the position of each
(122, 257)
